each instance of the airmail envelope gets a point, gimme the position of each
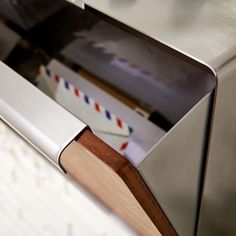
(103, 122)
(135, 146)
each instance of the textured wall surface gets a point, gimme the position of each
(36, 199)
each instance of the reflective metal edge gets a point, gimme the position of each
(36, 117)
(173, 166)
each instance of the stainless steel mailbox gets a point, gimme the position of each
(205, 32)
(196, 41)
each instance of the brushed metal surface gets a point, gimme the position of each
(40, 120)
(218, 211)
(173, 167)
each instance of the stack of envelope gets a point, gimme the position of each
(106, 125)
(114, 122)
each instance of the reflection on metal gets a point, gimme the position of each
(202, 30)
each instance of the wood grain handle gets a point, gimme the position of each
(115, 182)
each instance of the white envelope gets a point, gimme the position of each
(106, 125)
(145, 134)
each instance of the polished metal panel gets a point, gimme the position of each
(40, 120)
(173, 167)
(218, 211)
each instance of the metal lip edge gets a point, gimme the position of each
(37, 147)
(37, 132)
(29, 142)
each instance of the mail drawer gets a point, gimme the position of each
(164, 165)
(206, 33)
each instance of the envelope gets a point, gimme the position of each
(134, 146)
(105, 124)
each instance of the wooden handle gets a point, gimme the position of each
(115, 182)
